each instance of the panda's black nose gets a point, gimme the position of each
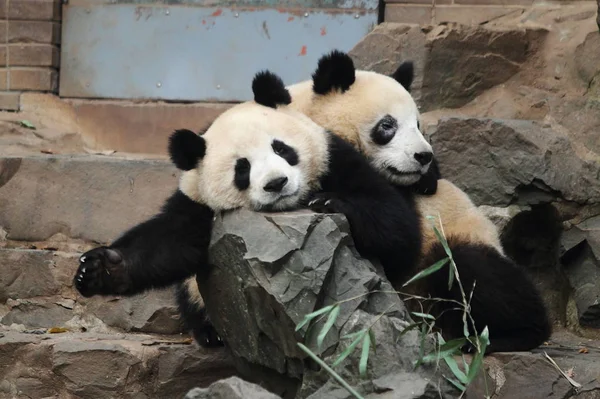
(276, 185)
(424, 157)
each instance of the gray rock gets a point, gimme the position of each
(453, 63)
(527, 375)
(231, 388)
(92, 197)
(26, 274)
(504, 162)
(581, 262)
(87, 365)
(270, 270)
(36, 286)
(598, 15)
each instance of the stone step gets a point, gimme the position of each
(88, 197)
(91, 365)
(36, 292)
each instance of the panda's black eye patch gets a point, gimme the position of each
(385, 130)
(242, 174)
(285, 151)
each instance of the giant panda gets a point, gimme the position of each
(265, 156)
(377, 114)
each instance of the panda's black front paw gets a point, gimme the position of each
(325, 203)
(207, 336)
(100, 271)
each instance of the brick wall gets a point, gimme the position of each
(29, 49)
(470, 12)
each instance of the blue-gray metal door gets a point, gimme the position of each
(199, 50)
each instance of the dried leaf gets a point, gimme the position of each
(57, 330)
(583, 350)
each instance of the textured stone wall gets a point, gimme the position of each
(29, 48)
(469, 12)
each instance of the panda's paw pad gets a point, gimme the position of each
(94, 270)
(325, 203)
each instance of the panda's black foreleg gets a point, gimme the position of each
(382, 227)
(154, 254)
(383, 220)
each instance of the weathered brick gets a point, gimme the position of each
(3, 79)
(3, 8)
(472, 15)
(33, 10)
(429, 2)
(2, 31)
(10, 101)
(415, 14)
(33, 55)
(3, 54)
(38, 79)
(493, 2)
(33, 32)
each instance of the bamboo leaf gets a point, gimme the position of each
(446, 349)
(330, 320)
(431, 269)
(349, 349)
(312, 315)
(364, 356)
(372, 335)
(423, 315)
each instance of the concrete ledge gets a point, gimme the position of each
(89, 197)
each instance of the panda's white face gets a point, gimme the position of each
(379, 117)
(258, 158)
(395, 145)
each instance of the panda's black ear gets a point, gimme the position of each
(269, 90)
(186, 148)
(405, 74)
(334, 71)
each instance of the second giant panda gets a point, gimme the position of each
(264, 156)
(377, 114)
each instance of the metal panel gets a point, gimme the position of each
(192, 53)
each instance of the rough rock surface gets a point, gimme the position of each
(581, 262)
(36, 292)
(453, 63)
(93, 198)
(231, 388)
(527, 375)
(272, 269)
(504, 162)
(87, 365)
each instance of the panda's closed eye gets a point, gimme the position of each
(285, 151)
(385, 130)
(242, 174)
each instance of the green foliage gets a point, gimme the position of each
(425, 324)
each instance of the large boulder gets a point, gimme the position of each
(270, 270)
(581, 262)
(504, 162)
(453, 63)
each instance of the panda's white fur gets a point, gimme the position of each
(353, 113)
(210, 183)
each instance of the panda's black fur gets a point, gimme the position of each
(173, 245)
